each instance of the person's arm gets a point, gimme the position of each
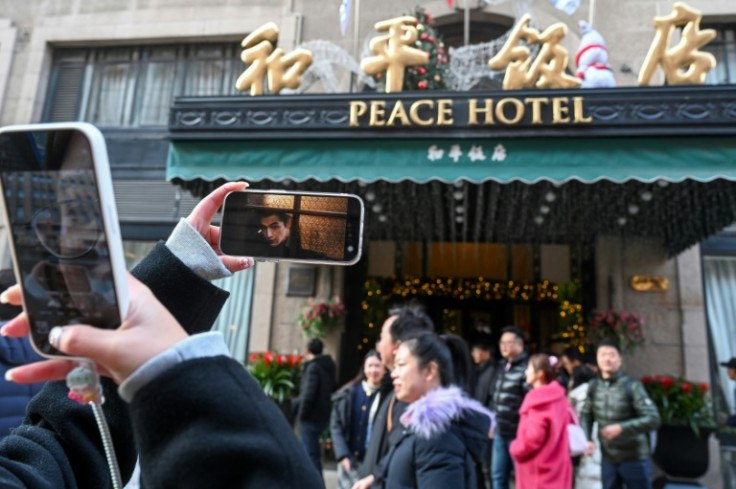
(207, 423)
(531, 435)
(647, 417)
(586, 411)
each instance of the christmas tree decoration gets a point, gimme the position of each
(591, 59)
(430, 75)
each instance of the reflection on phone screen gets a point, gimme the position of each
(52, 203)
(292, 226)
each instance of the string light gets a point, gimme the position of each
(380, 291)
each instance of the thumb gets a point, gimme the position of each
(83, 341)
(237, 263)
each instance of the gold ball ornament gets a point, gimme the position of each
(420, 27)
(437, 78)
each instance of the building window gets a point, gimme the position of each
(723, 47)
(134, 86)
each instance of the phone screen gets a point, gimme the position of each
(293, 226)
(52, 202)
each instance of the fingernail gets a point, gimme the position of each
(55, 336)
(4, 297)
(9, 375)
(2, 331)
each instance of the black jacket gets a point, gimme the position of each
(442, 446)
(14, 397)
(509, 390)
(59, 445)
(381, 439)
(315, 389)
(236, 438)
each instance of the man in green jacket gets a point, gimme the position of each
(625, 416)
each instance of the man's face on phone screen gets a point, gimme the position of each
(274, 231)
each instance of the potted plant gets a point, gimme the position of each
(320, 317)
(278, 376)
(622, 327)
(686, 411)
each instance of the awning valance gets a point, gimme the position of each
(644, 159)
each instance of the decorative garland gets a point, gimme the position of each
(380, 291)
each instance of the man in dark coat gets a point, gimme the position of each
(509, 390)
(313, 404)
(403, 323)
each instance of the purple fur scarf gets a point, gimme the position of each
(431, 414)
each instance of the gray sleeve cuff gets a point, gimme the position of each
(202, 345)
(189, 247)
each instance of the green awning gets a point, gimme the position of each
(645, 159)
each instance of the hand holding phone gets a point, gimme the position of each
(307, 227)
(64, 232)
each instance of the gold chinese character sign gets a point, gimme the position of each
(547, 70)
(282, 70)
(683, 63)
(394, 52)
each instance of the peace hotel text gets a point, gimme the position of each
(471, 112)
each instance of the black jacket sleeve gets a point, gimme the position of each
(59, 444)
(206, 423)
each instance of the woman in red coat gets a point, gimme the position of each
(541, 450)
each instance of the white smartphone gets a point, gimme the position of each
(63, 227)
(306, 227)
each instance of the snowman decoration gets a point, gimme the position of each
(592, 59)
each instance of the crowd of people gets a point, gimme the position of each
(425, 410)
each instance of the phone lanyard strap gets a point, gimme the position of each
(84, 387)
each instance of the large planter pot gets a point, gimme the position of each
(680, 453)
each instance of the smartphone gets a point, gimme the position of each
(307, 227)
(63, 227)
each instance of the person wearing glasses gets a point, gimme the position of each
(509, 390)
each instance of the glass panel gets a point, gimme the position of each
(109, 91)
(157, 93)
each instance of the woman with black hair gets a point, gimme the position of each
(353, 410)
(445, 431)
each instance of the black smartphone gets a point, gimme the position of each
(307, 227)
(63, 226)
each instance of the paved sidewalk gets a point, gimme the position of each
(330, 477)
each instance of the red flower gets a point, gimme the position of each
(281, 359)
(686, 387)
(703, 387)
(267, 358)
(646, 380)
(667, 382)
(254, 357)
